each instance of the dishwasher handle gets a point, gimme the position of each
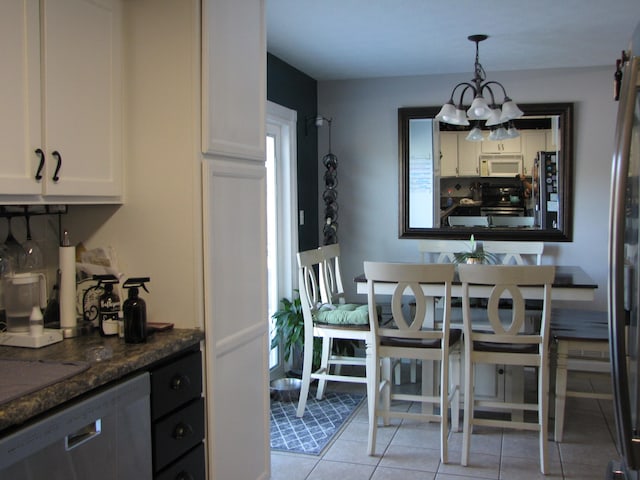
(83, 435)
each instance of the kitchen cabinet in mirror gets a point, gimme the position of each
(521, 187)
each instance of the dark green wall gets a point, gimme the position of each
(293, 89)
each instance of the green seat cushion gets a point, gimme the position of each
(343, 314)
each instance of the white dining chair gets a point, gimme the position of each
(329, 322)
(331, 286)
(581, 340)
(502, 340)
(468, 221)
(408, 337)
(510, 222)
(442, 250)
(518, 253)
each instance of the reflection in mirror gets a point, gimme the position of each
(515, 188)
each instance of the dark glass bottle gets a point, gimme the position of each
(135, 318)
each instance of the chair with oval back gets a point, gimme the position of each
(408, 337)
(503, 341)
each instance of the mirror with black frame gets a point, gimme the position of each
(515, 188)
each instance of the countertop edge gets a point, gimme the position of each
(126, 359)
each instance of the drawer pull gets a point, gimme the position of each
(182, 431)
(184, 476)
(179, 382)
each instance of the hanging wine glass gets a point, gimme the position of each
(31, 256)
(14, 249)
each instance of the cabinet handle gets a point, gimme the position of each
(182, 431)
(179, 382)
(58, 157)
(184, 476)
(40, 153)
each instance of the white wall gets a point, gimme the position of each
(158, 230)
(365, 139)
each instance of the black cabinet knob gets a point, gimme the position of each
(182, 431)
(184, 476)
(179, 382)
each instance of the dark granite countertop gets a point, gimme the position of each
(126, 359)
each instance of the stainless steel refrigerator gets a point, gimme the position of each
(624, 265)
(547, 193)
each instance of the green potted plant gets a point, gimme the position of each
(476, 254)
(290, 331)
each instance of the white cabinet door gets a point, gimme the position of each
(69, 81)
(19, 96)
(234, 238)
(509, 145)
(468, 156)
(448, 154)
(459, 156)
(82, 97)
(533, 141)
(224, 117)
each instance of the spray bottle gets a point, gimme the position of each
(135, 311)
(109, 306)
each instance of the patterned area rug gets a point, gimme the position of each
(321, 421)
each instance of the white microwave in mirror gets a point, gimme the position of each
(500, 165)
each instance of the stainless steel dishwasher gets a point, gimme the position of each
(106, 436)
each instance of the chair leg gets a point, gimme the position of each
(373, 397)
(306, 375)
(397, 372)
(428, 384)
(324, 366)
(454, 381)
(385, 377)
(560, 389)
(468, 410)
(444, 410)
(543, 415)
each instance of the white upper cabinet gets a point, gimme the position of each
(20, 133)
(468, 156)
(240, 51)
(459, 156)
(509, 145)
(448, 154)
(64, 88)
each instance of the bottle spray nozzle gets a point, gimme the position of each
(136, 282)
(109, 278)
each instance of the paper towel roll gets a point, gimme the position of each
(67, 265)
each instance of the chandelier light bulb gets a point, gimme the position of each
(475, 135)
(479, 109)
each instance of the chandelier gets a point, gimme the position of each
(499, 118)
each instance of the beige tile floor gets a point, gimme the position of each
(408, 450)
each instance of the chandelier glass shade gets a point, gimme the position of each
(483, 106)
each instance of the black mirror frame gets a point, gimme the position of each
(565, 231)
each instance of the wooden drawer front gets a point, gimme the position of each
(175, 384)
(189, 467)
(178, 433)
